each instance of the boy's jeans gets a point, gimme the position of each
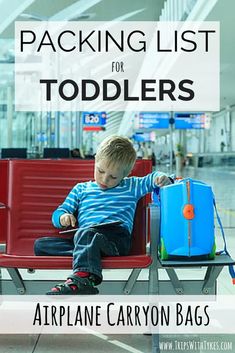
(87, 247)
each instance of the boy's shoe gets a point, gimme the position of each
(75, 286)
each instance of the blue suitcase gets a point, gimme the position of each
(187, 221)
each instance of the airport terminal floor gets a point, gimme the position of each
(222, 181)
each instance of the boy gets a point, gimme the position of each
(111, 197)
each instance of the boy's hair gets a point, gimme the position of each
(117, 150)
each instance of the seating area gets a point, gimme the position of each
(48, 152)
(30, 191)
(27, 206)
(14, 153)
(56, 152)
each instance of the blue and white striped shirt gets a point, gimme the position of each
(95, 205)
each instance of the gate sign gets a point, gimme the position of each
(94, 118)
(190, 120)
(94, 121)
(154, 120)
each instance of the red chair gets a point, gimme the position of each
(34, 189)
(3, 202)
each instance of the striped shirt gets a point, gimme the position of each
(94, 205)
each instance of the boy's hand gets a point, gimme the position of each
(162, 180)
(67, 219)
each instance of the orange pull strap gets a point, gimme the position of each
(188, 211)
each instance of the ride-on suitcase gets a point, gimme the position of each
(187, 221)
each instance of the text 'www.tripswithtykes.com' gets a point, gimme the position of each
(196, 345)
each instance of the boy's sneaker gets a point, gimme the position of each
(75, 285)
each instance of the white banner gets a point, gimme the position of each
(117, 66)
(124, 315)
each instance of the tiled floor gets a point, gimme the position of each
(222, 181)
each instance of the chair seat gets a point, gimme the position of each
(65, 262)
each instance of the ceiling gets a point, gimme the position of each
(131, 10)
(96, 10)
(224, 12)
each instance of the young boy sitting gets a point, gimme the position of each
(111, 197)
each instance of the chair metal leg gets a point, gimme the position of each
(153, 271)
(131, 280)
(155, 343)
(178, 287)
(17, 280)
(210, 278)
